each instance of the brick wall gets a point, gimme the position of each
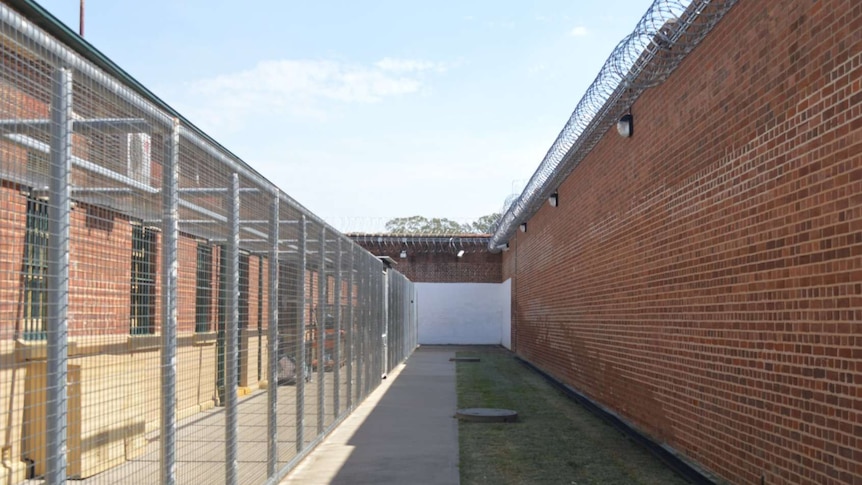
(100, 259)
(703, 279)
(436, 265)
(110, 369)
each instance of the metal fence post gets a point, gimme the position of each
(59, 215)
(336, 351)
(384, 356)
(370, 329)
(272, 344)
(170, 235)
(321, 331)
(349, 330)
(374, 330)
(300, 337)
(374, 368)
(232, 324)
(360, 325)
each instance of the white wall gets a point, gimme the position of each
(506, 324)
(464, 313)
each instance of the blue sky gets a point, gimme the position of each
(365, 111)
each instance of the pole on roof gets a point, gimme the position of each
(81, 20)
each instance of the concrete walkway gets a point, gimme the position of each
(403, 433)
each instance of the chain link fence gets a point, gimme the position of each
(168, 315)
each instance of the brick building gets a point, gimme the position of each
(703, 278)
(115, 287)
(435, 259)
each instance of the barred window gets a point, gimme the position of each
(204, 289)
(143, 310)
(35, 309)
(243, 308)
(243, 289)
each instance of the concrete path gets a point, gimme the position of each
(403, 433)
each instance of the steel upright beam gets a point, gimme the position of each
(360, 325)
(374, 331)
(272, 345)
(301, 364)
(170, 236)
(349, 330)
(384, 356)
(370, 354)
(336, 346)
(232, 328)
(59, 215)
(321, 332)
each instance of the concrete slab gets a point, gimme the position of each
(404, 432)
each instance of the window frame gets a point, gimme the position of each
(142, 310)
(35, 271)
(204, 288)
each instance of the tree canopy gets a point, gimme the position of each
(441, 226)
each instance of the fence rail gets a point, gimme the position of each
(166, 313)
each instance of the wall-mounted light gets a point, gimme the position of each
(460, 253)
(626, 125)
(403, 254)
(554, 199)
(523, 227)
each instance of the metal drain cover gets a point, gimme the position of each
(487, 415)
(465, 359)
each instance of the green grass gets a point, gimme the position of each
(554, 441)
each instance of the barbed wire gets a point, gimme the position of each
(406, 245)
(445, 226)
(662, 38)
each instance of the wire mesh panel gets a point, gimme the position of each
(168, 315)
(29, 221)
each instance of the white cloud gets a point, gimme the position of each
(302, 88)
(579, 31)
(409, 65)
(283, 80)
(537, 68)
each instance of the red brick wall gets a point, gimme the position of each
(13, 211)
(703, 279)
(187, 255)
(436, 266)
(100, 272)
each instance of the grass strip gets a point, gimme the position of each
(555, 440)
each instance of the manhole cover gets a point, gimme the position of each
(487, 415)
(465, 359)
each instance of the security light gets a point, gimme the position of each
(554, 199)
(461, 253)
(625, 126)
